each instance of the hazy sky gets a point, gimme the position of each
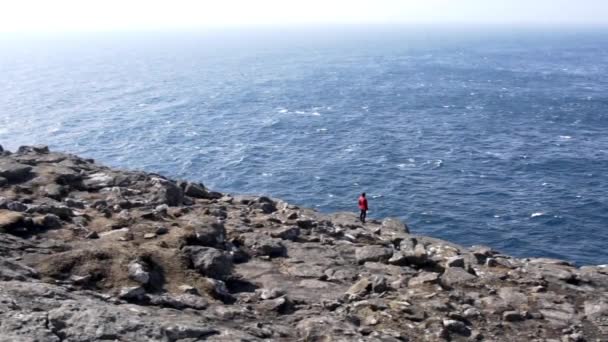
(103, 15)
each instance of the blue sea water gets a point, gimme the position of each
(476, 136)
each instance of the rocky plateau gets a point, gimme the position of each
(90, 253)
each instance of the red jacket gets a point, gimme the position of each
(362, 203)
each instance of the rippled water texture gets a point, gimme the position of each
(497, 139)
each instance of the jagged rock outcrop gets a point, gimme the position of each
(88, 253)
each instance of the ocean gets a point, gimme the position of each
(478, 136)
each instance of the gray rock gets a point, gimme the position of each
(281, 305)
(74, 203)
(394, 225)
(138, 273)
(424, 278)
(48, 221)
(208, 231)
(218, 289)
(92, 235)
(16, 206)
(11, 270)
(398, 258)
(271, 293)
(3, 181)
(169, 192)
(209, 261)
(98, 181)
(456, 276)
(457, 327)
(286, 233)
(13, 171)
(262, 245)
(378, 283)
(512, 316)
(40, 149)
(184, 332)
(132, 293)
(54, 191)
(10, 220)
(456, 261)
(195, 190)
(373, 253)
(265, 204)
(596, 308)
(359, 289)
(180, 302)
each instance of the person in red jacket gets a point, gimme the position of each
(363, 207)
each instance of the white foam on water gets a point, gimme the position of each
(537, 214)
(283, 111)
(565, 137)
(316, 114)
(321, 129)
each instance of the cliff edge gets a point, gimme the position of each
(89, 253)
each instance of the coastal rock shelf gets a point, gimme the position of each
(89, 253)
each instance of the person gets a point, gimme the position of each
(363, 207)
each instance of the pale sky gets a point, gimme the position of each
(109, 15)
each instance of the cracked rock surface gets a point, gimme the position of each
(89, 253)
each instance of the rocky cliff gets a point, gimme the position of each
(88, 253)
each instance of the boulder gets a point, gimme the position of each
(217, 289)
(98, 181)
(9, 220)
(456, 276)
(281, 305)
(132, 293)
(457, 327)
(209, 261)
(373, 253)
(138, 273)
(394, 225)
(16, 206)
(195, 190)
(48, 221)
(286, 233)
(39, 149)
(265, 204)
(455, 261)
(261, 245)
(415, 254)
(358, 290)
(208, 231)
(11, 270)
(168, 192)
(179, 302)
(13, 171)
(424, 278)
(512, 316)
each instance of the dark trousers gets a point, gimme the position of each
(363, 215)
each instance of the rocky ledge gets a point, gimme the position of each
(89, 253)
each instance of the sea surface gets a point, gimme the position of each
(478, 136)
